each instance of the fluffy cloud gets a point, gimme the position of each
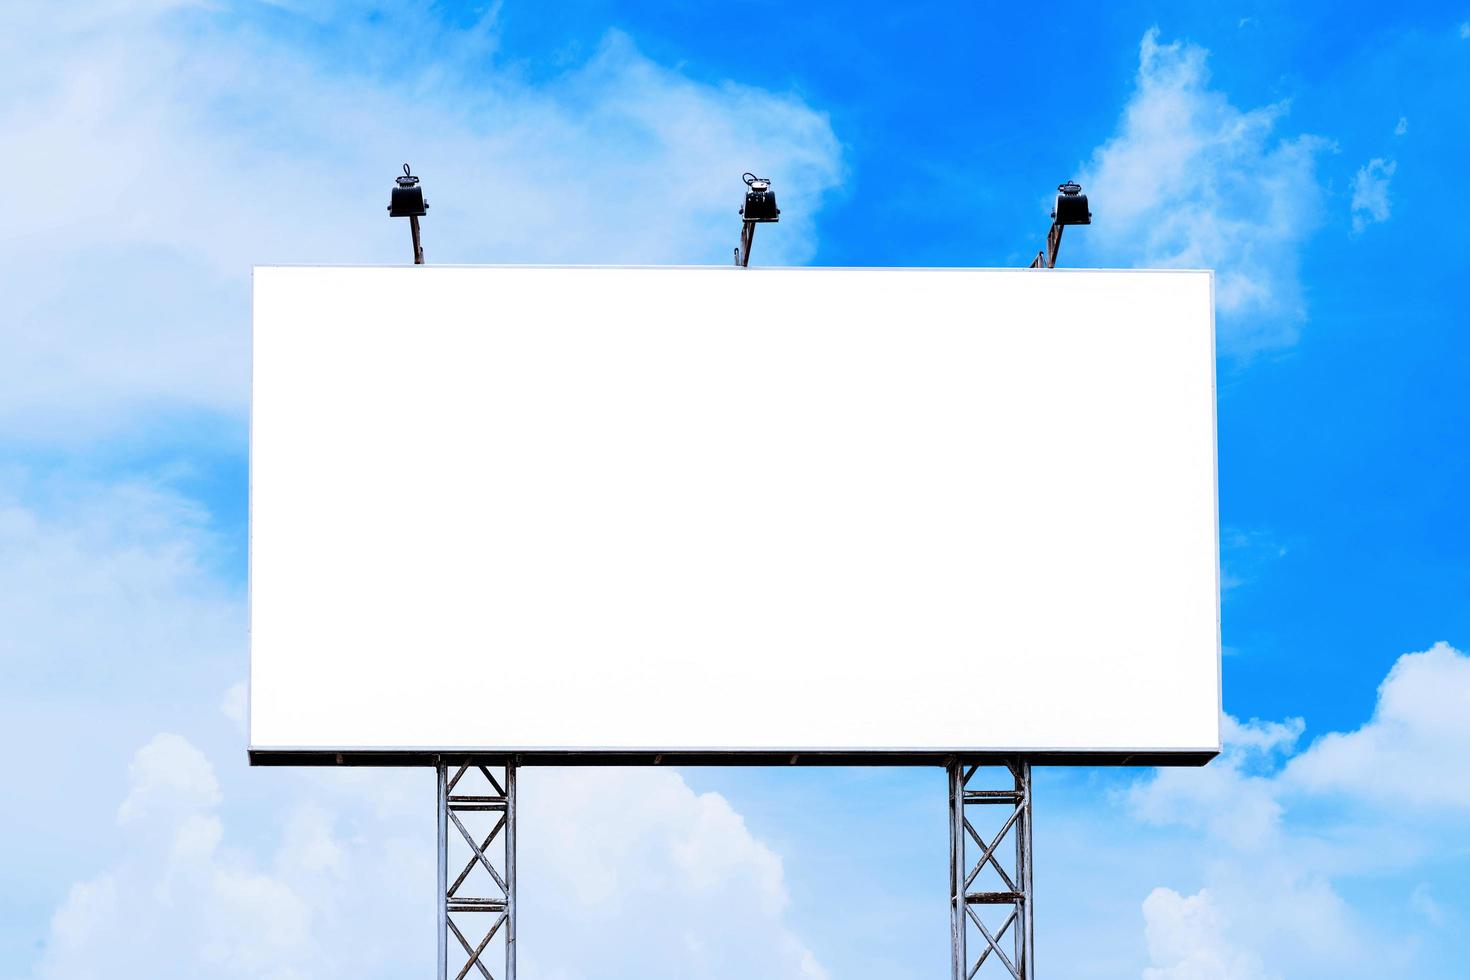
(168, 772)
(1190, 181)
(1370, 193)
(174, 901)
(623, 873)
(1190, 935)
(1233, 798)
(104, 581)
(119, 603)
(652, 880)
(168, 148)
(1261, 902)
(1275, 872)
(1415, 751)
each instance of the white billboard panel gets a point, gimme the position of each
(839, 512)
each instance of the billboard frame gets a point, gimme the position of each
(427, 756)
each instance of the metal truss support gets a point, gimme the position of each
(477, 843)
(990, 895)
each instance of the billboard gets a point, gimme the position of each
(709, 514)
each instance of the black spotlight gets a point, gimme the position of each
(1071, 205)
(408, 202)
(760, 200)
(408, 197)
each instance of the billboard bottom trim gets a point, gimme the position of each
(415, 757)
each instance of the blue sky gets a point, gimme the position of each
(156, 150)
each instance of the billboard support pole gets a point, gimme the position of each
(984, 817)
(957, 960)
(510, 870)
(477, 804)
(442, 821)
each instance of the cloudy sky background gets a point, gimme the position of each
(156, 150)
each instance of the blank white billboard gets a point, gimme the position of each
(623, 512)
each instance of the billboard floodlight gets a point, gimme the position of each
(759, 208)
(408, 202)
(760, 200)
(1070, 209)
(1071, 206)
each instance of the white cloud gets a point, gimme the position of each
(1370, 193)
(165, 151)
(623, 874)
(1232, 798)
(1465, 30)
(1189, 180)
(173, 900)
(1415, 751)
(117, 611)
(168, 774)
(1256, 739)
(1402, 127)
(104, 583)
(652, 881)
(1187, 940)
(234, 704)
(1271, 881)
(1264, 898)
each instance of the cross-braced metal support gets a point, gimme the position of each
(477, 843)
(989, 901)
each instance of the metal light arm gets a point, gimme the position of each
(1047, 259)
(747, 239)
(418, 245)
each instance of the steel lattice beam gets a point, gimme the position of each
(990, 903)
(477, 839)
